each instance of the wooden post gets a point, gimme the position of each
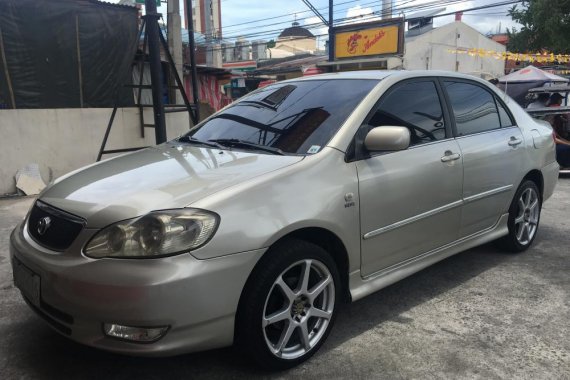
(6, 72)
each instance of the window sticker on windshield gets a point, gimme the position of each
(314, 149)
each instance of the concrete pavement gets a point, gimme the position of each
(480, 314)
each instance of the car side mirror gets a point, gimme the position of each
(387, 138)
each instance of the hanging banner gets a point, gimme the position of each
(524, 57)
(370, 39)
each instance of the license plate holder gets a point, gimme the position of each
(28, 282)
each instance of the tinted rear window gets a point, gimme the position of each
(296, 117)
(474, 108)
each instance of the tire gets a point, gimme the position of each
(284, 316)
(524, 217)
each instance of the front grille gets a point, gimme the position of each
(53, 228)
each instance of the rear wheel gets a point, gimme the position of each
(289, 304)
(524, 217)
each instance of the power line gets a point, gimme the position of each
(341, 21)
(320, 9)
(372, 13)
(320, 24)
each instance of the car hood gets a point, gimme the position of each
(162, 177)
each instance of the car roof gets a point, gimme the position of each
(381, 74)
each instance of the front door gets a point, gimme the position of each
(409, 200)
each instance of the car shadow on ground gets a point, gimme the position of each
(45, 354)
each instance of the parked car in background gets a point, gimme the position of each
(257, 224)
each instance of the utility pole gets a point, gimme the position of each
(151, 18)
(331, 32)
(386, 9)
(192, 52)
(208, 28)
(174, 27)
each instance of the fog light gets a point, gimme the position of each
(135, 334)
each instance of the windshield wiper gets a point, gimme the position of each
(192, 140)
(247, 144)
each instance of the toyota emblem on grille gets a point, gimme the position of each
(43, 225)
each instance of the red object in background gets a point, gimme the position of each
(266, 83)
(312, 71)
(458, 16)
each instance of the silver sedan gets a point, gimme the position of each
(254, 226)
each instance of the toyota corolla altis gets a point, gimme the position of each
(254, 226)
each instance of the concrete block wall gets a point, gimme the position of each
(62, 140)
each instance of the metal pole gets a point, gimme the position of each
(151, 19)
(192, 50)
(331, 32)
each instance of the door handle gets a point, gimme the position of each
(450, 156)
(514, 141)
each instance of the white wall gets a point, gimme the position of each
(62, 140)
(430, 51)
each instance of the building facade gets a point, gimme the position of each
(433, 50)
(206, 17)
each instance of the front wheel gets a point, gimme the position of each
(524, 216)
(289, 304)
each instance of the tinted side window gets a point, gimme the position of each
(474, 108)
(506, 120)
(415, 106)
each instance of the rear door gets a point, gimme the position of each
(409, 200)
(492, 149)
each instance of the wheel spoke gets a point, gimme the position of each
(519, 219)
(533, 205)
(285, 337)
(304, 332)
(287, 291)
(304, 277)
(521, 205)
(526, 232)
(318, 313)
(520, 232)
(529, 230)
(528, 195)
(318, 289)
(278, 316)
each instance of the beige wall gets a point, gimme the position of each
(296, 44)
(61, 140)
(431, 51)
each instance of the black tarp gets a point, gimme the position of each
(44, 42)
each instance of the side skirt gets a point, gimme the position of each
(362, 286)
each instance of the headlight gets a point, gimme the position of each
(158, 233)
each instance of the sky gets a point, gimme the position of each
(265, 19)
(247, 11)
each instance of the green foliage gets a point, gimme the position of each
(545, 26)
(271, 44)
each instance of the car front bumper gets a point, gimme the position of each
(196, 299)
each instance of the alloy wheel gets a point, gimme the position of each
(298, 309)
(526, 221)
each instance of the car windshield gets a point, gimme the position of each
(286, 118)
